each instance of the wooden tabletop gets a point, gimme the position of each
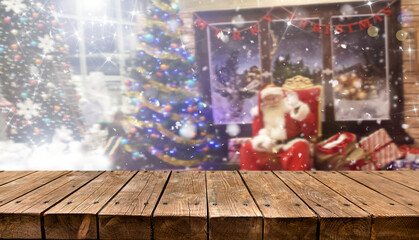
(209, 205)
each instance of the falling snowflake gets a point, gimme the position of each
(46, 44)
(28, 109)
(16, 6)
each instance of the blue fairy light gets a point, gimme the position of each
(22, 19)
(136, 154)
(124, 141)
(24, 95)
(34, 44)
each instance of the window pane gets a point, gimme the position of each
(100, 37)
(71, 35)
(102, 64)
(360, 72)
(296, 52)
(235, 74)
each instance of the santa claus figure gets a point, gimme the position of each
(281, 121)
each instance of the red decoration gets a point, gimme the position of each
(201, 23)
(164, 67)
(18, 57)
(66, 117)
(14, 46)
(302, 23)
(159, 74)
(236, 35)
(128, 83)
(254, 29)
(32, 82)
(234, 145)
(7, 20)
(168, 108)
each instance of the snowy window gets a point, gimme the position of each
(361, 90)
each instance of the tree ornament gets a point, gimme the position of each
(40, 25)
(32, 82)
(66, 117)
(173, 45)
(44, 96)
(164, 67)
(57, 108)
(37, 131)
(168, 108)
(22, 19)
(190, 109)
(35, 15)
(50, 85)
(7, 20)
(38, 61)
(1, 50)
(128, 83)
(34, 44)
(14, 32)
(188, 130)
(14, 46)
(149, 38)
(18, 57)
(159, 74)
(24, 95)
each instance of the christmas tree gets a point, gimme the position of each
(34, 75)
(170, 123)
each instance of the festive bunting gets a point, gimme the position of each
(301, 23)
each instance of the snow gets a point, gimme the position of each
(62, 153)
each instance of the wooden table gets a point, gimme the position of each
(209, 205)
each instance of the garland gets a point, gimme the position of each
(160, 55)
(162, 87)
(170, 160)
(164, 131)
(143, 100)
(301, 23)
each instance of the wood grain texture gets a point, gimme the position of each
(182, 209)
(393, 190)
(231, 210)
(21, 186)
(285, 215)
(9, 176)
(389, 221)
(407, 178)
(75, 216)
(128, 215)
(339, 218)
(22, 217)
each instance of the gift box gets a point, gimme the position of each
(234, 145)
(381, 149)
(332, 153)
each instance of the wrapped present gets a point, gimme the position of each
(381, 149)
(332, 153)
(234, 145)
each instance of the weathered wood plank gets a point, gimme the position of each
(285, 215)
(410, 78)
(128, 215)
(412, 122)
(393, 190)
(75, 216)
(182, 209)
(9, 176)
(407, 178)
(339, 218)
(21, 186)
(411, 88)
(390, 220)
(231, 210)
(22, 217)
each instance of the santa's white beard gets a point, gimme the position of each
(274, 120)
